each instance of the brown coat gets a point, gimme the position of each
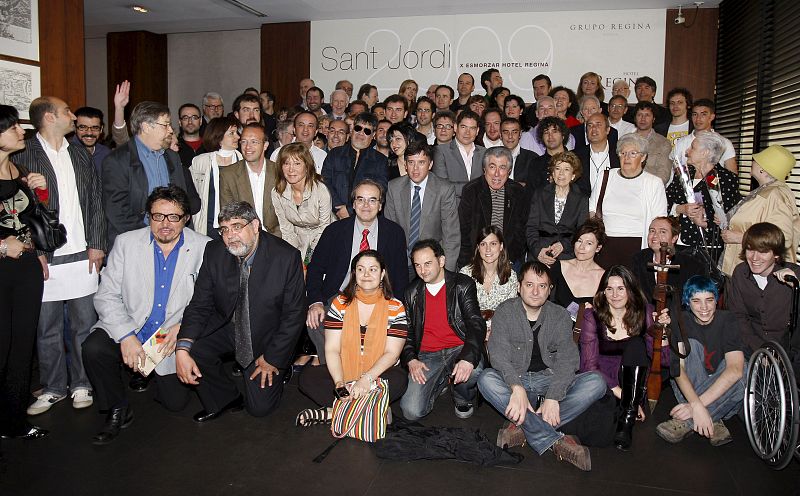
(234, 185)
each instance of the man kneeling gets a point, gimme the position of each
(533, 355)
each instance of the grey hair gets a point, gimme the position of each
(367, 182)
(214, 95)
(237, 210)
(588, 98)
(634, 139)
(498, 152)
(546, 97)
(146, 113)
(712, 142)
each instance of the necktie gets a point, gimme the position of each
(241, 324)
(364, 241)
(416, 212)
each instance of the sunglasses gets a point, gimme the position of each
(361, 129)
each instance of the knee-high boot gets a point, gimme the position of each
(633, 381)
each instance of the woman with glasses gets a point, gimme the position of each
(632, 199)
(400, 135)
(221, 135)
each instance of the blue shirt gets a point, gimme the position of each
(164, 270)
(155, 166)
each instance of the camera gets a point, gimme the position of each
(679, 19)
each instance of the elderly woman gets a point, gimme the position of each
(222, 136)
(400, 135)
(557, 210)
(365, 331)
(566, 105)
(575, 280)
(302, 202)
(613, 342)
(591, 85)
(772, 201)
(717, 186)
(21, 281)
(709, 383)
(368, 93)
(630, 199)
(491, 270)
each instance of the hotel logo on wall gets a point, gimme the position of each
(436, 49)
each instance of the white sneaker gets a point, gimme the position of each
(82, 398)
(43, 403)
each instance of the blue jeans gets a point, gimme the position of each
(419, 398)
(585, 389)
(724, 407)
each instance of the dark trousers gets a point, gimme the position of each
(102, 360)
(317, 384)
(21, 286)
(217, 389)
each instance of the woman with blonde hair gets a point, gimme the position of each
(591, 84)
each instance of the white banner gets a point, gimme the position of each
(620, 44)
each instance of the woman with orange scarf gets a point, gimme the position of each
(365, 330)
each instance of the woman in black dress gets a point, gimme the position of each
(575, 280)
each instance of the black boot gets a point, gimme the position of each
(117, 419)
(633, 381)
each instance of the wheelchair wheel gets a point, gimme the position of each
(771, 406)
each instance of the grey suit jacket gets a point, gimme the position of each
(90, 193)
(234, 184)
(124, 299)
(439, 219)
(448, 164)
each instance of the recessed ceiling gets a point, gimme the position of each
(188, 16)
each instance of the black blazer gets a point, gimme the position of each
(463, 316)
(125, 188)
(690, 266)
(538, 172)
(475, 213)
(542, 229)
(90, 193)
(523, 164)
(330, 262)
(276, 295)
(585, 182)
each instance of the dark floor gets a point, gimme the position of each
(166, 454)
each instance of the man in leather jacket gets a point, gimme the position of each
(445, 335)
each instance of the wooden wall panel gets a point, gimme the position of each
(141, 58)
(690, 58)
(285, 59)
(61, 50)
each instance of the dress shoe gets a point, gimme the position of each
(32, 432)
(139, 383)
(116, 420)
(234, 406)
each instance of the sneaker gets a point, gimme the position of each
(464, 411)
(674, 431)
(567, 449)
(510, 436)
(44, 402)
(82, 398)
(721, 435)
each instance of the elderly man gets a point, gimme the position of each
(617, 106)
(339, 101)
(530, 140)
(460, 161)
(134, 170)
(159, 264)
(249, 300)
(494, 200)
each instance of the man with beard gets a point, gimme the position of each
(88, 130)
(382, 137)
(249, 300)
(247, 109)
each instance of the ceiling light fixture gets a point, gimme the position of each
(140, 9)
(246, 8)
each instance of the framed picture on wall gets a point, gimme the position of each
(19, 85)
(19, 28)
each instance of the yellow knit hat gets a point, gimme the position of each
(776, 160)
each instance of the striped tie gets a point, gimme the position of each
(364, 241)
(416, 213)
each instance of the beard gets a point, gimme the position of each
(239, 248)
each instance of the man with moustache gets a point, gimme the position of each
(247, 109)
(190, 143)
(88, 131)
(382, 137)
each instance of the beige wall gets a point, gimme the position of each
(96, 76)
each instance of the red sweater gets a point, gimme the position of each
(437, 334)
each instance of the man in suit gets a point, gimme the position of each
(146, 286)
(251, 180)
(424, 205)
(510, 131)
(249, 299)
(328, 272)
(601, 154)
(135, 169)
(590, 105)
(71, 271)
(353, 162)
(461, 160)
(494, 199)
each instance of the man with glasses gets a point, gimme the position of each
(617, 106)
(190, 144)
(159, 264)
(88, 132)
(461, 160)
(329, 270)
(348, 165)
(249, 300)
(132, 171)
(338, 132)
(212, 106)
(444, 125)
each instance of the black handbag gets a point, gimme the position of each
(46, 232)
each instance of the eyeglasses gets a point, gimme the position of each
(233, 228)
(372, 201)
(159, 217)
(95, 129)
(361, 129)
(631, 154)
(214, 107)
(444, 126)
(166, 126)
(617, 106)
(188, 118)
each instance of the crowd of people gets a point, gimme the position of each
(461, 242)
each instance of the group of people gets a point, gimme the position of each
(474, 244)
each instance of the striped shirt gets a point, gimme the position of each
(397, 326)
(498, 206)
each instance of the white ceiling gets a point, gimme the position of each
(182, 16)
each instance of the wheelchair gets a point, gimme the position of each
(771, 406)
